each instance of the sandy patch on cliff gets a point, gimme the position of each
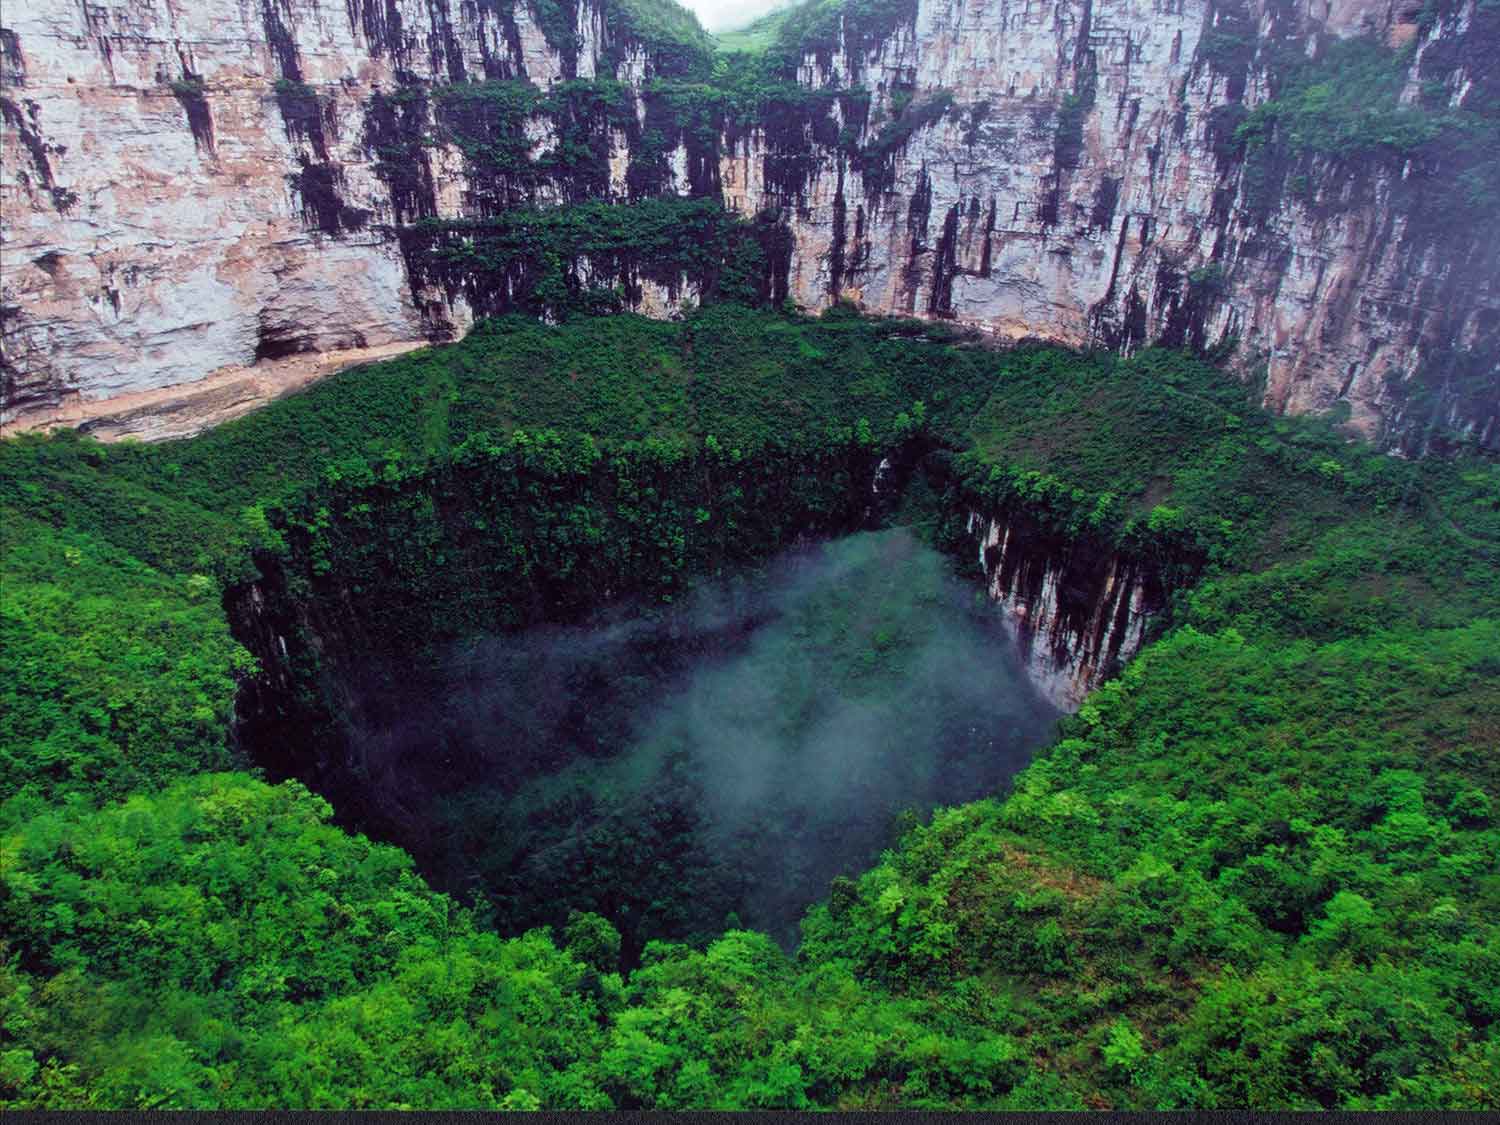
(190, 408)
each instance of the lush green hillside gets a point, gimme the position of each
(1260, 868)
(755, 37)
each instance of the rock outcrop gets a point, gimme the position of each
(191, 188)
(1076, 614)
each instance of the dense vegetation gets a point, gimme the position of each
(528, 260)
(1345, 108)
(1259, 868)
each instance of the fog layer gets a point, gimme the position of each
(715, 763)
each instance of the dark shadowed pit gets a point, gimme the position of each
(709, 764)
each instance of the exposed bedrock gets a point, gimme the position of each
(1076, 611)
(193, 188)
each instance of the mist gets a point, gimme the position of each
(731, 15)
(710, 764)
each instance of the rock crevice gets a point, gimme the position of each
(177, 178)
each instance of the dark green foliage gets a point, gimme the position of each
(1345, 107)
(670, 34)
(592, 941)
(393, 136)
(486, 121)
(670, 31)
(594, 779)
(1342, 105)
(1227, 50)
(814, 28)
(1187, 450)
(1258, 868)
(592, 258)
(875, 158)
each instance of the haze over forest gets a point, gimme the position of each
(767, 732)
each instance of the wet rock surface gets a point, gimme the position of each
(189, 189)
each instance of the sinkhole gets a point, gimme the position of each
(688, 768)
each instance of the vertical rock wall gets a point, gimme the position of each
(1081, 186)
(190, 187)
(1076, 613)
(194, 187)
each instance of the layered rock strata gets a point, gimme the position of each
(194, 188)
(1075, 614)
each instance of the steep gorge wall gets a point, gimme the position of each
(1075, 613)
(190, 188)
(1082, 186)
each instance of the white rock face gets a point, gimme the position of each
(1330, 298)
(155, 234)
(140, 252)
(1071, 625)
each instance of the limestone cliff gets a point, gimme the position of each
(192, 188)
(1075, 613)
(1080, 184)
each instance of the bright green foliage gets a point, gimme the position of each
(1259, 867)
(219, 943)
(592, 941)
(103, 693)
(740, 1026)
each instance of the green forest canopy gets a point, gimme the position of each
(1259, 868)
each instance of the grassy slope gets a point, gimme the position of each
(754, 38)
(1289, 795)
